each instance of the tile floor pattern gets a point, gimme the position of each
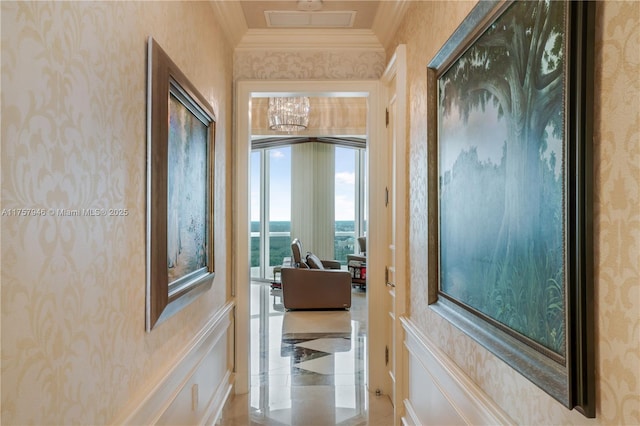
(307, 367)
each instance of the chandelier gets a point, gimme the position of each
(288, 114)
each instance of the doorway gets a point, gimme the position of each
(246, 91)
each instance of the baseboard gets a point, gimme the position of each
(195, 389)
(440, 392)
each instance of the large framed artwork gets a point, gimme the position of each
(510, 191)
(180, 150)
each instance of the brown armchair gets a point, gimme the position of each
(311, 283)
(360, 256)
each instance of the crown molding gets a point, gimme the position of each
(388, 18)
(309, 39)
(231, 19)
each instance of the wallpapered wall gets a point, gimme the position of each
(74, 349)
(312, 65)
(426, 27)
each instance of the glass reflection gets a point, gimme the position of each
(307, 366)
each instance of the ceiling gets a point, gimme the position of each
(355, 21)
(257, 13)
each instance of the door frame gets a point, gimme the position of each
(394, 82)
(377, 379)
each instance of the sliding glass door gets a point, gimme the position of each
(350, 214)
(270, 209)
(328, 184)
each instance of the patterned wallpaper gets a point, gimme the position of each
(73, 136)
(314, 65)
(74, 349)
(617, 220)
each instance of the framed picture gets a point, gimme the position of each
(180, 158)
(510, 192)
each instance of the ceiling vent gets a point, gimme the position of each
(300, 19)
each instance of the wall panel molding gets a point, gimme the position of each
(410, 418)
(452, 396)
(203, 364)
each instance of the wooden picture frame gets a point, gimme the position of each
(510, 98)
(180, 161)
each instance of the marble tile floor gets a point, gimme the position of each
(307, 367)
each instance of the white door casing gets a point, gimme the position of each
(394, 81)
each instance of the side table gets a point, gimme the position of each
(358, 272)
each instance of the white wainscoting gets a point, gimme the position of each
(195, 390)
(439, 392)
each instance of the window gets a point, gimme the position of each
(349, 200)
(270, 209)
(272, 175)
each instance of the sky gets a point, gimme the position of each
(280, 205)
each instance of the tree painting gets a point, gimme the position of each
(186, 192)
(501, 173)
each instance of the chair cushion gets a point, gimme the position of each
(362, 243)
(314, 261)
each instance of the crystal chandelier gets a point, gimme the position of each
(288, 114)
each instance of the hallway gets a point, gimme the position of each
(307, 367)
